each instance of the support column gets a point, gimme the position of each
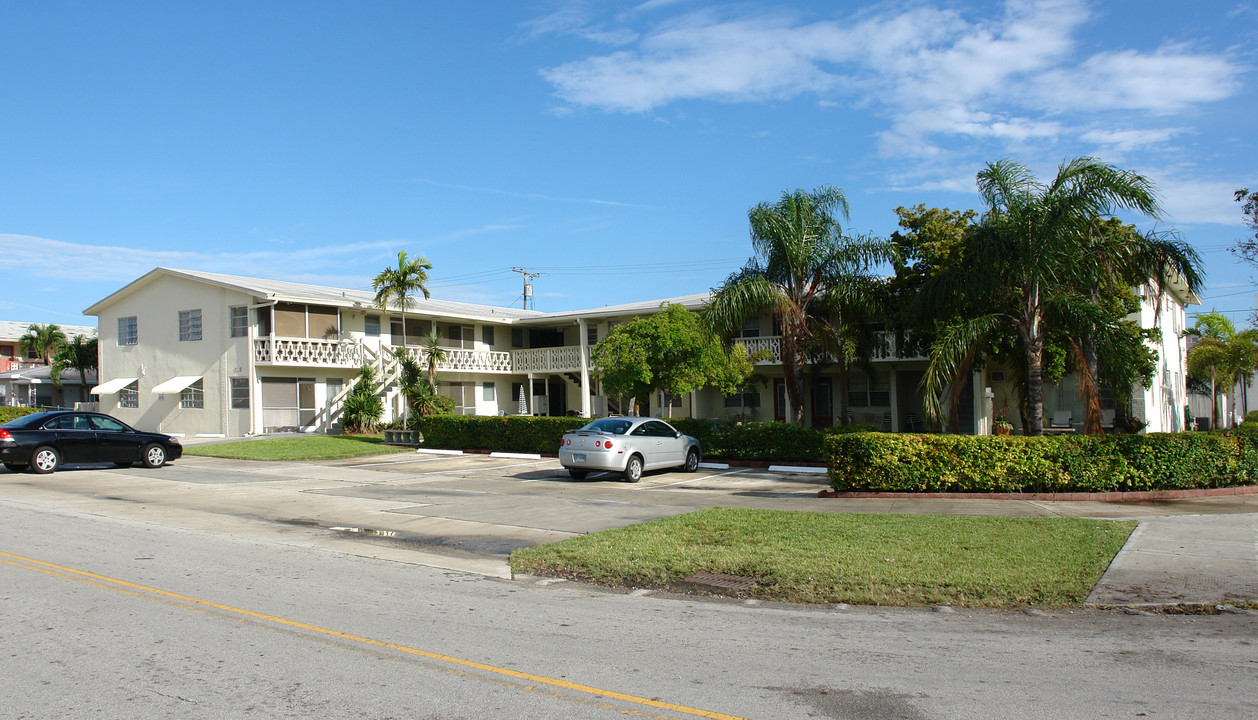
(585, 367)
(895, 402)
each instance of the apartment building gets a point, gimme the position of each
(196, 353)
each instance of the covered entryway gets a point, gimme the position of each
(288, 404)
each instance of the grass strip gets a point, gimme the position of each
(908, 560)
(313, 447)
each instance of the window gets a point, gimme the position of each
(193, 396)
(238, 318)
(264, 320)
(746, 397)
(371, 326)
(240, 393)
(750, 329)
(591, 335)
(862, 391)
(129, 396)
(487, 335)
(189, 325)
(674, 401)
(128, 331)
(487, 392)
(517, 337)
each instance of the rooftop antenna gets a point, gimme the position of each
(528, 289)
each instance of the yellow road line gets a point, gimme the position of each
(541, 679)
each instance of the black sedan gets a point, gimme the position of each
(47, 440)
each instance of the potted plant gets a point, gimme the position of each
(1001, 423)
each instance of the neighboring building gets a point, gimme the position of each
(32, 386)
(198, 353)
(11, 355)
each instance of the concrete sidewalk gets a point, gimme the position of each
(1185, 559)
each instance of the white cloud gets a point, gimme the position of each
(1190, 201)
(931, 72)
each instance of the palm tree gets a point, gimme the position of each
(807, 273)
(433, 354)
(43, 340)
(79, 354)
(399, 285)
(1037, 244)
(1223, 354)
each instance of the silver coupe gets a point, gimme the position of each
(629, 446)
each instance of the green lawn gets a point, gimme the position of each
(313, 447)
(863, 559)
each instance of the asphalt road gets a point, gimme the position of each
(221, 590)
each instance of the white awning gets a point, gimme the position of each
(175, 384)
(112, 386)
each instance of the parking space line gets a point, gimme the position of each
(693, 479)
(396, 462)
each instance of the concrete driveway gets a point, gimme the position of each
(469, 512)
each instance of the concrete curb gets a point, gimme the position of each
(518, 456)
(428, 451)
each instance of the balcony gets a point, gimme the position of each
(352, 354)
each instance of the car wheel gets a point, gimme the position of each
(14, 467)
(633, 470)
(578, 474)
(692, 461)
(154, 456)
(45, 460)
(123, 463)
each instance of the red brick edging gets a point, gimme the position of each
(1134, 496)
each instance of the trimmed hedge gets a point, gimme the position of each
(719, 438)
(8, 413)
(879, 462)
(510, 433)
(769, 440)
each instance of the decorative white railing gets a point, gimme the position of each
(307, 351)
(553, 359)
(771, 344)
(476, 361)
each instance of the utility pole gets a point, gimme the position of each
(528, 289)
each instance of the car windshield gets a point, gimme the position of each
(611, 426)
(27, 421)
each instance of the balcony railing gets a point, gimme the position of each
(352, 354)
(553, 359)
(308, 351)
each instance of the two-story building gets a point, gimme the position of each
(198, 353)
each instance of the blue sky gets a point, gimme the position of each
(614, 148)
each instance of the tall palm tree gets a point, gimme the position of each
(43, 340)
(1037, 242)
(79, 354)
(806, 272)
(399, 285)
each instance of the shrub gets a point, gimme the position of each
(1251, 416)
(1066, 463)
(8, 413)
(511, 433)
(761, 440)
(363, 408)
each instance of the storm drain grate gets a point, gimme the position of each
(720, 581)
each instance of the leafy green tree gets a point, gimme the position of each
(1224, 356)
(43, 340)
(78, 354)
(671, 351)
(818, 283)
(398, 285)
(1038, 244)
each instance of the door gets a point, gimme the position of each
(822, 403)
(115, 442)
(75, 438)
(672, 443)
(645, 440)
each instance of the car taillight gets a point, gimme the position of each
(607, 444)
(6, 435)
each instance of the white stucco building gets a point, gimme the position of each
(198, 353)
